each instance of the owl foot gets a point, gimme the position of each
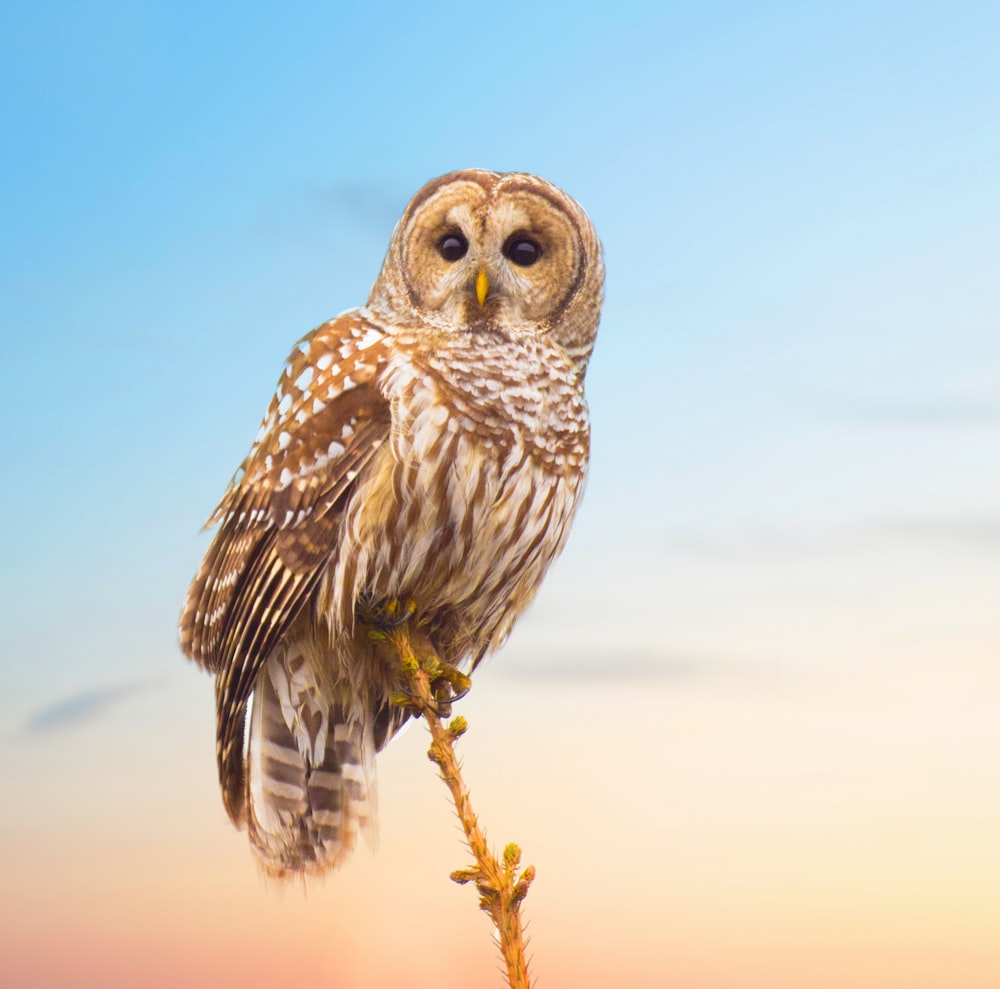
(387, 615)
(446, 683)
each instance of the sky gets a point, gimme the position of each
(749, 732)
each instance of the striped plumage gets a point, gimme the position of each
(429, 447)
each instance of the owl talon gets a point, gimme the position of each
(449, 694)
(449, 685)
(386, 616)
(439, 707)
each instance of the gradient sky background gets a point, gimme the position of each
(749, 733)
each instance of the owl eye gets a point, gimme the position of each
(522, 250)
(452, 247)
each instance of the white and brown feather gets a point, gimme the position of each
(416, 449)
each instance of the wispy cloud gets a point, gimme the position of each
(313, 214)
(981, 532)
(781, 546)
(606, 667)
(762, 544)
(915, 413)
(367, 204)
(81, 708)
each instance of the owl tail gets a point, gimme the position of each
(310, 771)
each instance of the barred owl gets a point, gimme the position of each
(429, 447)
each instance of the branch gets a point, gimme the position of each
(502, 886)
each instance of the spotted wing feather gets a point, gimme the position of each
(278, 520)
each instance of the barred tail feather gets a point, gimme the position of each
(310, 779)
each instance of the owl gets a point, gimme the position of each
(430, 448)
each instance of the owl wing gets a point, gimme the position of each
(278, 519)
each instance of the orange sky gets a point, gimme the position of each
(731, 829)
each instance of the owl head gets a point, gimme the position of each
(504, 254)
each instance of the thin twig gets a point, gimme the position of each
(502, 885)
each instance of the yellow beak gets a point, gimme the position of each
(482, 286)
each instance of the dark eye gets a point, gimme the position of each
(452, 247)
(522, 250)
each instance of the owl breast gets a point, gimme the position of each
(466, 508)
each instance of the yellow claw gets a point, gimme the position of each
(482, 286)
